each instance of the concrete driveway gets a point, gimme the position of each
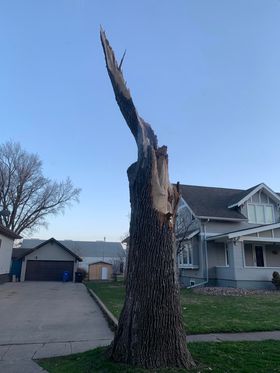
(43, 319)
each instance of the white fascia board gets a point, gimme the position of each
(220, 218)
(260, 239)
(254, 191)
(253, 230)
(243, 233)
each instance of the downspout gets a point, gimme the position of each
(206, 260)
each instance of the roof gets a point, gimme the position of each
(19, 253)
(99, 262)
(246, 231)
(212, 202)
(8, 233)
(84, 248)
(43, 243)
(250, 192)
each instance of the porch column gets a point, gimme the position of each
(236, 260)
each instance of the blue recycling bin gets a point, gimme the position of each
(66, 276)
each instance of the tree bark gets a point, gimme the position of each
(150, 332)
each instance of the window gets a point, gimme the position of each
(186, 255)
(260, 213)
(254, 255)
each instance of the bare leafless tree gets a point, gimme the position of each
(26, 196)
(183, 231)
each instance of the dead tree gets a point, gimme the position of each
(150, 332)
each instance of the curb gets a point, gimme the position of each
(112, 321)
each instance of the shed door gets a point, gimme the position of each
(48, 270)
(104, 273)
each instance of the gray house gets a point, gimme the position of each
(228, 237)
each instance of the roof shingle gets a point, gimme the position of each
(212, 201)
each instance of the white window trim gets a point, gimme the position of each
(190, 264)
(264, 205)
(254, 244)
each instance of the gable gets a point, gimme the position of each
(253, 193)
(50, 251)
(261, 208)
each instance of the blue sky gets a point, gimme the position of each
(204, 74)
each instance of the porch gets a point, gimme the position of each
(251, 258)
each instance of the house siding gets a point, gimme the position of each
(272, 253)
(6, 249)
(261, 197)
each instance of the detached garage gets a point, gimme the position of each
(48, 261)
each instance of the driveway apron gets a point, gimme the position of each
(45, 319)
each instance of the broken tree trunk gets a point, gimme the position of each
(150, 332)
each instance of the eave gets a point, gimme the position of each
(245, 232)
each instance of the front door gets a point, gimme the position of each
(259, 256)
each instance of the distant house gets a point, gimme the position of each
(228, 237)
(82, 253)
(7, 238)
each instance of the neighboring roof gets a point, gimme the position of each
(43, 243)
(245, 231)
(101, 261)
(84, 248)
(20, 253)
(211, 202)
(8, 233)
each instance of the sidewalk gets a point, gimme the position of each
(234, 337)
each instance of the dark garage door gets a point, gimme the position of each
(47, 270)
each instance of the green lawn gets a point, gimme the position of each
(227, 357)
(209, 313)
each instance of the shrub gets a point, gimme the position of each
(276, 280)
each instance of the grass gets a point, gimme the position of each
(209, 313)
(112, 294)
(227, 357)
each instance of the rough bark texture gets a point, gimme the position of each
(150, 332)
